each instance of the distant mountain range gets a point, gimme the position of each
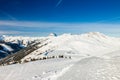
(88, 44)
(9, 45)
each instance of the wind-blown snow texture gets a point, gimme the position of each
(94, 56)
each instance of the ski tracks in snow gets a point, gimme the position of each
(9, 75)
(53, 75)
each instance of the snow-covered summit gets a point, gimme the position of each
(94, 34)
(2, 37)
(52, 35)
(85, 44)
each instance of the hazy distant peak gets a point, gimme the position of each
(52, 34)
(95, 34)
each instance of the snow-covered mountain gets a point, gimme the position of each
(89, 44)
(10, 45)
(8, 48)
(89, 56)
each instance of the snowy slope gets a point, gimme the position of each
(93, 68)
(6, 47)
(23, 41)
(12, 44)
(38, 70)
(89, 44)
(94, 56)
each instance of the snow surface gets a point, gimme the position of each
(93, 68)
(23, 41)
(89, 44)
(94, 56)
(38, 70)
(6, 47)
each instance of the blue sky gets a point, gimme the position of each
(41, 17)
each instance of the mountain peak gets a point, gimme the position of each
(2, 37)
(53, 34)
(94, 34)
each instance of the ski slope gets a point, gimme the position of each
(38, 70)
(93, 68)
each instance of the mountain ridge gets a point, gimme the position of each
(68, 44)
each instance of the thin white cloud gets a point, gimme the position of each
(33, 24)
(114, 19)
(59, 2)
(8, 15)
(9, 32)
(58, 25)
(70, 27)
